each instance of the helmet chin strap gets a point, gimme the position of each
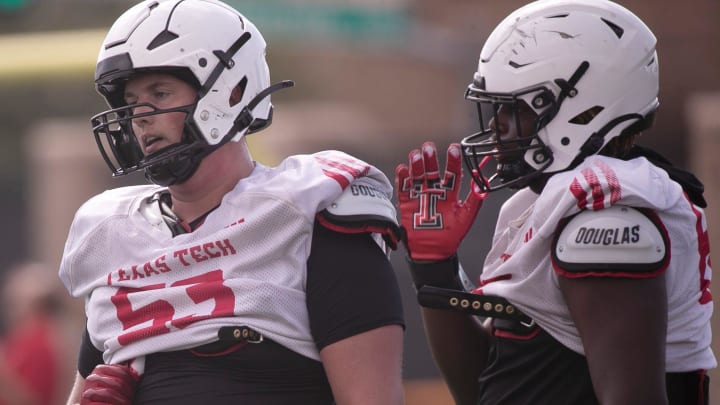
(180, 167)
(516, 174)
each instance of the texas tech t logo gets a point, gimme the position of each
(428, 194)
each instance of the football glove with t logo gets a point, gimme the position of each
(434, 219)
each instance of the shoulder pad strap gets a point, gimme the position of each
(362, 209)
(613, 242)
(150, 209)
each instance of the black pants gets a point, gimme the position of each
(688, 388)
(527, 366)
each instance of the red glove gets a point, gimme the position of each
(435, 221)
(112, 384)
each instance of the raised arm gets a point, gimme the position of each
(435, 221)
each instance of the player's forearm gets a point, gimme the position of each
(366, 368)
(460, 348)
(74, 397)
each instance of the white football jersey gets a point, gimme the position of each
(147, 291)
(518, 266)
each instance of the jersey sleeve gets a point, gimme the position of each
(614, 242)
(313, 182)
(351, 287)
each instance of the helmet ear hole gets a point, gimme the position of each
(238, 91)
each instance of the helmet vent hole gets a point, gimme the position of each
(238, 91)
(162, 39)
(586, 116)
(518, 65)
(616, 28)
(565, 141)
(558, 16)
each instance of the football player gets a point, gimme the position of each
(225, 281)
(596, 287)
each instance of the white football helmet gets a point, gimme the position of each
(587, 68)
(204, 42)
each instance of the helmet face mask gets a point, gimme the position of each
(586, 68)
(171, 37)
(121, 150)
(509, 129)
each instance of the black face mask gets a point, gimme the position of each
(120, 149)
(178, 167)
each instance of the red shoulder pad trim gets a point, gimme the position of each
(389, 231)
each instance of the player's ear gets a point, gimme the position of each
(237, 93)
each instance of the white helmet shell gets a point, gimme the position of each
(213, 42)
(548, 40)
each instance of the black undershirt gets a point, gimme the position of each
(351, 288)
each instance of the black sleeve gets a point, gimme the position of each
(89, 356)
(351, 286)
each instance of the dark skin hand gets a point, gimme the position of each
(622, 323)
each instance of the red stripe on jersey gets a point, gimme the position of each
(704, 252)
(355, 168)
(484, 282)
(580, 194)
(339, 170)
(612, 181)
(342, 180)
(595, 187)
